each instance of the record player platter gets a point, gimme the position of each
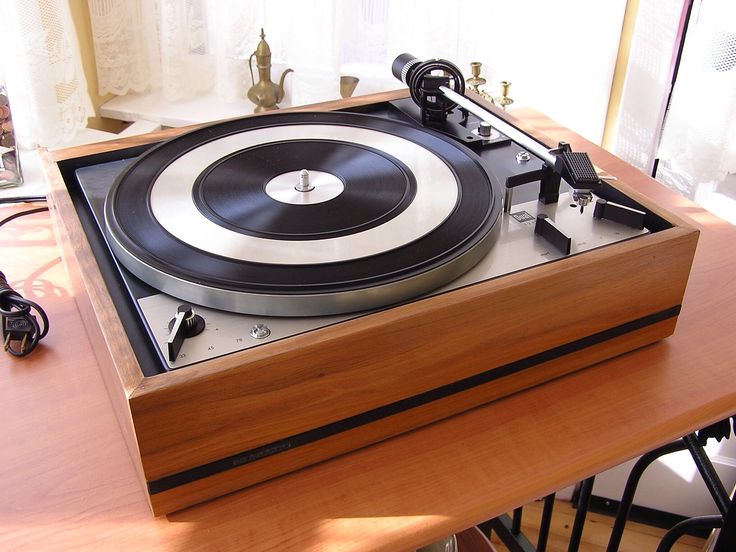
(303, 214)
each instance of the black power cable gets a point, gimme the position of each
(22, 199)
(21, 329)
(23, 213)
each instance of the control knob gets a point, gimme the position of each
(485, 130)
(185, 324)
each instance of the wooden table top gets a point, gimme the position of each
(67, 481)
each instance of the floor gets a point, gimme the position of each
(637, 537)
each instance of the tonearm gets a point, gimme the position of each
(437, 87)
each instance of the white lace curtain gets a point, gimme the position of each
(43, 72)
(560, 56)
(186, 46)
(181, 46)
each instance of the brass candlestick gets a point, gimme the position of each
(476, 81)
(503, 100)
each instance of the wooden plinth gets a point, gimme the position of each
(182, 420)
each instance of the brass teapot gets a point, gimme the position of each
(265, 93)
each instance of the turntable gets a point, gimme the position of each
(269, 292)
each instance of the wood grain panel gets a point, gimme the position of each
(262, 470)
(331, 374)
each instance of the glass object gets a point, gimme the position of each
(10, 173)
(448, 544)
(347, 85)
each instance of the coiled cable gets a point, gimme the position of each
(21, 329)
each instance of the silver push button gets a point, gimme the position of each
(260, 331)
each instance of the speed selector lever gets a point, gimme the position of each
(185, 324)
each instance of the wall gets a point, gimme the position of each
(619, 74)
(80, 15)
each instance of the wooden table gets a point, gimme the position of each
(67, 481)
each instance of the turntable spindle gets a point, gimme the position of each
(304, 185)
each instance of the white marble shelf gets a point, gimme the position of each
(151, 106)
(303, 87)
